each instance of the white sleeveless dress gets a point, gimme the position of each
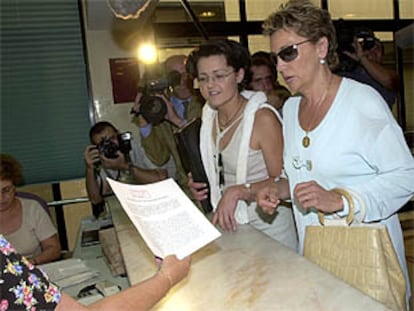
(279, 226)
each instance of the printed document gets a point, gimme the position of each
(166, 218)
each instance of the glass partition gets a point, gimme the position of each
(357, 9)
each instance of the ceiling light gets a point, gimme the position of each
(207, 14)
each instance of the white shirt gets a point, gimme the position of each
(358, 145)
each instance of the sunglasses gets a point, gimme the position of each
(288, 53)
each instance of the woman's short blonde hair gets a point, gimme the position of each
(306, 20)
(10, 169)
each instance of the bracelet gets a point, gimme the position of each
(167, 276)
(248, 187)
(348, 197)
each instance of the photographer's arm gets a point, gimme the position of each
(91, 156)
(386, 77)
(371, 61)
(172, 115)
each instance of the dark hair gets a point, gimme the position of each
(10, 169)
(308, 21)
(237, 56)
(262, 58)
(99, 127)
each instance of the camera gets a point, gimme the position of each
(366, 37)
(109, 149)
(153, 108)
(345, 36)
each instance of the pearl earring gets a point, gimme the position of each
(322, 61)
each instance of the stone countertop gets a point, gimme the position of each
(245, 270)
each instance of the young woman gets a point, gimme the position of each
(240, 140)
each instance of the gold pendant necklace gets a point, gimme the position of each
(306, 139)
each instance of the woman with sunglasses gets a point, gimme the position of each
(23, 221)
(338, 133)
(240, 141)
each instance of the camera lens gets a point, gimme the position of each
(153, 109)
(108, 148)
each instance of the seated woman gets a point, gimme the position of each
(24, 222)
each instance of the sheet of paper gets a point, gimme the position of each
(166, 218)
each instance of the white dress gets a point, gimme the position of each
(244, 165)
(358, 146)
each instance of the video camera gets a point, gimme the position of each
(109, 149)
(153, 108)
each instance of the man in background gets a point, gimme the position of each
(183, 105)
(264, 78)
(361, 58)
(118, 156)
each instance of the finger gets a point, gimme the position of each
(229, 222)
(225, 223)
(215, 219)
(233, 223)
(268, 210)
(199, 185)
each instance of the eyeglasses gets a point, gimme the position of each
(7, 190)
(217, 77)
(288, 53)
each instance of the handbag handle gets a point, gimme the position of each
(348, 197)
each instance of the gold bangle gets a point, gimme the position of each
(350, 201)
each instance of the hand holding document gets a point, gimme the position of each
(166, 218)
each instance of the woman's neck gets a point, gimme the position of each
(230, 110)
(318, 87)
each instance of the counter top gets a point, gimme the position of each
(245, 270)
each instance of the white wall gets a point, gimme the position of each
(101, 47)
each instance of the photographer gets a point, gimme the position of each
(182, 105)
(115, 156)
(363, 58)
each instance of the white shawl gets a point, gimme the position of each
(256, 100)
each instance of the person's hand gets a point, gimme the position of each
(119, 163)
(174, 269)
(136, 108)
(268, 198)
(171, 114)
(359, 53)
(311, 195)
(224, 213)
(91, 156)
(198, 189)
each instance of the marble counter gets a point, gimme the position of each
(245, 270)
